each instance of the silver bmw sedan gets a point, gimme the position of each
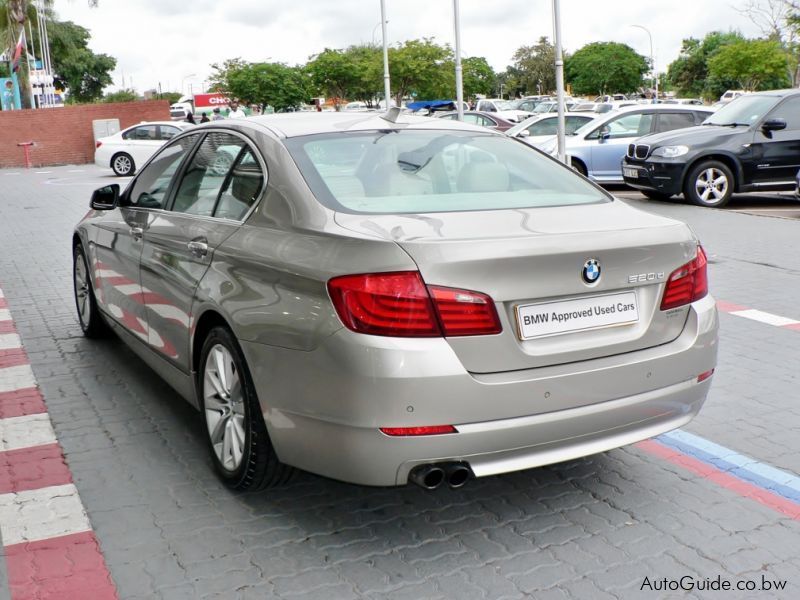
(383, 299)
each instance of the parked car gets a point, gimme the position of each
(552, 106)
(384, 299)
(751, 144)
(503, 108)
(124, 151)
(731, 95)
(597, 148)
(537, 129)
(483, 119)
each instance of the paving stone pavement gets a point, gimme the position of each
(591, 528)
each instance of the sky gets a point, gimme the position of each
(173, 42)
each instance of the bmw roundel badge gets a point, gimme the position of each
(591, 271)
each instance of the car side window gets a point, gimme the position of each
(626, 126)
(168, 132)
(474, 119)
(789, 111)
(142, 133)
(150, 187)
(242, 187)
(573, 124)
(544, 127)
(486, 121)
(677, 120)
(203, 180)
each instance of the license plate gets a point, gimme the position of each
(581, 314)
(632, 173)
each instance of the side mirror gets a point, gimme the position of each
(524, 133)
(105, 198)
(773, 125)
(604, 133)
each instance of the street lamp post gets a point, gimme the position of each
(387, 90)
(459, 72)
(562, 153)
(183, 81)
(652, 60)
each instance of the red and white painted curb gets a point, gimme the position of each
(757, 315)
(51, 551)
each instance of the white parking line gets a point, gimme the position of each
(765, 317)
(41, 514)
(25, 432)
(9, 341)
(16, 378)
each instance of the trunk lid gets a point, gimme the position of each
(536, 257)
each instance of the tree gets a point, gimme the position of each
(82, 72)
(274, 84)
(752, 64)
(126, 95)
(478, 76)
(423, 69)
(689, 72)
(353, 74)
(606, 67)
(777, 21)
(535, 67)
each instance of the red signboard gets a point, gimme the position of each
(209, 101)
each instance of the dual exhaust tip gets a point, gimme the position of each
(430, 477)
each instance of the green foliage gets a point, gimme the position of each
(78, 69)
(753, 64)
(171, 97)
(688, 74)
(605, 67)
(534, 68)
(423, 68)
(125, 95)
(355, 73)
(478, 76)
(275, 84)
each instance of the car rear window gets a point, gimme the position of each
(426, 171)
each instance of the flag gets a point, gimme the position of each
(18, 51)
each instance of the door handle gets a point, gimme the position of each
(198, 247)
(137, 233)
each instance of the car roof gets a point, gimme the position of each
(297, 124)
(779, 93)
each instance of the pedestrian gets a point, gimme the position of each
(204, 118)
(236, 112)
(190, 118)
(217, 114)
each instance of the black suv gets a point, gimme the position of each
(751, 144)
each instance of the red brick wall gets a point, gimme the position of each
(63, 136)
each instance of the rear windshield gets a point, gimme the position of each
(424, 171)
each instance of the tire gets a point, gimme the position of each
(89, 317)
(240, 447)
(579, 167)
(709, 184)
(122, 164)
(654, 195)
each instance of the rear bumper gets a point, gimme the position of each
(664, 177)
(324, 408)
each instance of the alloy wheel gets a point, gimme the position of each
(122, 165)
(224, 407)
(711, 185)
(82, 292)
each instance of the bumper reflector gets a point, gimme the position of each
(704, 376)
(409, 431)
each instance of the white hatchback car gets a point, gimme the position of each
(134, 146)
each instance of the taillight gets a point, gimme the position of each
(465, 313)
(97, 144)
(687, 283)
(400, 305)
